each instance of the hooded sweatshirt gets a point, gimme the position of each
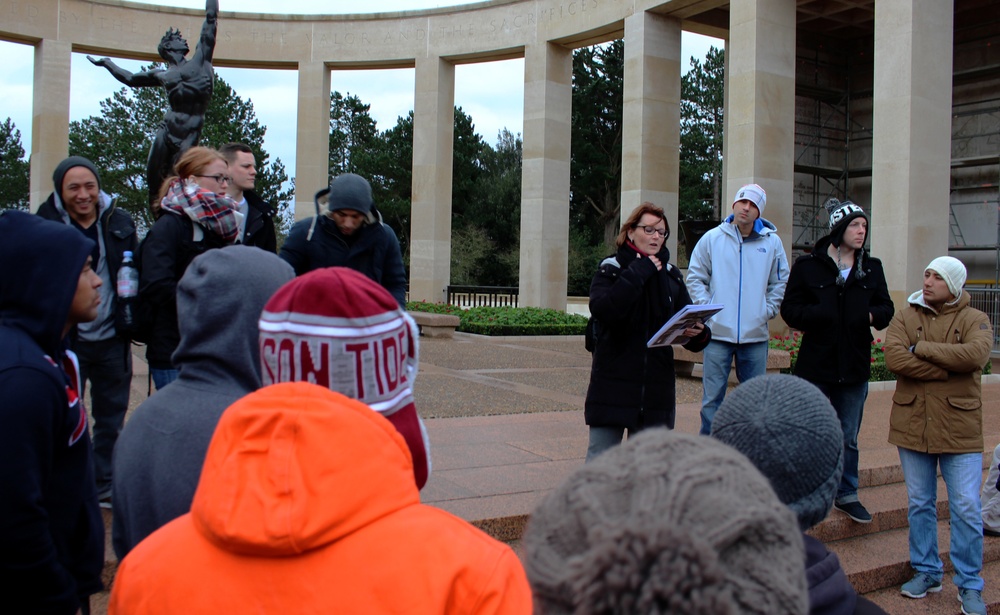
(307, 504)
(160, 452)
(51, 533)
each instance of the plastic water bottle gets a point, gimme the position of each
(128, 289)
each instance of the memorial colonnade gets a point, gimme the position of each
(912, 104)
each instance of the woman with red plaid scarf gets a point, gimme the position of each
(194, 215)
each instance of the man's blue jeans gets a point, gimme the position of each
(963, 473)
(849, 402)
(163, 377)
(602, 438)
(717, 361)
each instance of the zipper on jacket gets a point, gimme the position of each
(739, 294)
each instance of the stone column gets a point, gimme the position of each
(548, 101)
(312, 137)
(433, 145)
(760, 107)
(49, 116)
(651, 116)
(911, 149)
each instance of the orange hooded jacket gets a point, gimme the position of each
(307, 504)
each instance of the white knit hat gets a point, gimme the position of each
(952, 271)
(753, 193)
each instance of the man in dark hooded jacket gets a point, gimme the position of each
(51, 533)
(350, 234)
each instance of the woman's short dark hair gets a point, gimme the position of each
(636, 215)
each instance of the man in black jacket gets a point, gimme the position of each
(836, 295)
(258, 221)
(105, 356)
(349, 234)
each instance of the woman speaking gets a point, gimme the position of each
(632, 295)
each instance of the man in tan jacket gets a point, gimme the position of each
(937, 347)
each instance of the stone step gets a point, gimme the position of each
(879, 561)
(946, 601)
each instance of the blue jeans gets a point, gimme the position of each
(849, 402)
(107, 365)
(717, 361)
(962, 474)
(602, 438)
(162, 377)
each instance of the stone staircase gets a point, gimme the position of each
(875, 556)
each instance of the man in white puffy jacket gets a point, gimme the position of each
(742, 265)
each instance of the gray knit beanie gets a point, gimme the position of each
(68, 163)
(347, 191)
(666, 523)
(789, 430)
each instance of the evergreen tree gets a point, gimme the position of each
(353, 135)
(596, 146)
(14, 169)
(702, 99)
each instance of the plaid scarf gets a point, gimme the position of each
(214, 212)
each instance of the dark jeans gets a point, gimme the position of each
(849, 402)
(107, 364)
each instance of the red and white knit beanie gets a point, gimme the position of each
(341, 330)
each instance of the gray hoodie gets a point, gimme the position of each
(158, 458)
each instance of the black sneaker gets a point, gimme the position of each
(854, 510)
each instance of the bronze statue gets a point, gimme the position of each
(189, 89)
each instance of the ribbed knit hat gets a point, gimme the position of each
(789, 430)
(841, 213)
(666, 523)
(68, 163)
(952, 271)
(753, 193)
(347, 191)
(339, 329)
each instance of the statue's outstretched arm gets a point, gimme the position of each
(135, 80)
(206, 46)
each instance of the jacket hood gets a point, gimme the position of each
(917, 299)
(37, 292)
(294, 466)
(219, 300)
(104, 201)
(761, 226)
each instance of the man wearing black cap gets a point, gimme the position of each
(835, 295)
(350, 234)
(105, 357)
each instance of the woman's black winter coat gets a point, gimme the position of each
(632, 386)
(837, 342)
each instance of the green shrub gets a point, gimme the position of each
(508, 320)
(879, 373)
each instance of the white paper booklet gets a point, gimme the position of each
(673, 331)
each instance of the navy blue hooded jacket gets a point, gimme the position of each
(51, 532)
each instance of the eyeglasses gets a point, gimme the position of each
(220, 178)
(649, 230)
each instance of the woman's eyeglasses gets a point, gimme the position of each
(220, 178)
(649, 230)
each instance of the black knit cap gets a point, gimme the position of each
(73, 161)
(841, 213)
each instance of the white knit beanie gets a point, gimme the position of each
(952, 271)
(753, 193)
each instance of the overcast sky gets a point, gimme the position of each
(493, 98)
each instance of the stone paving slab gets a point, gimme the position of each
(505, 420)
